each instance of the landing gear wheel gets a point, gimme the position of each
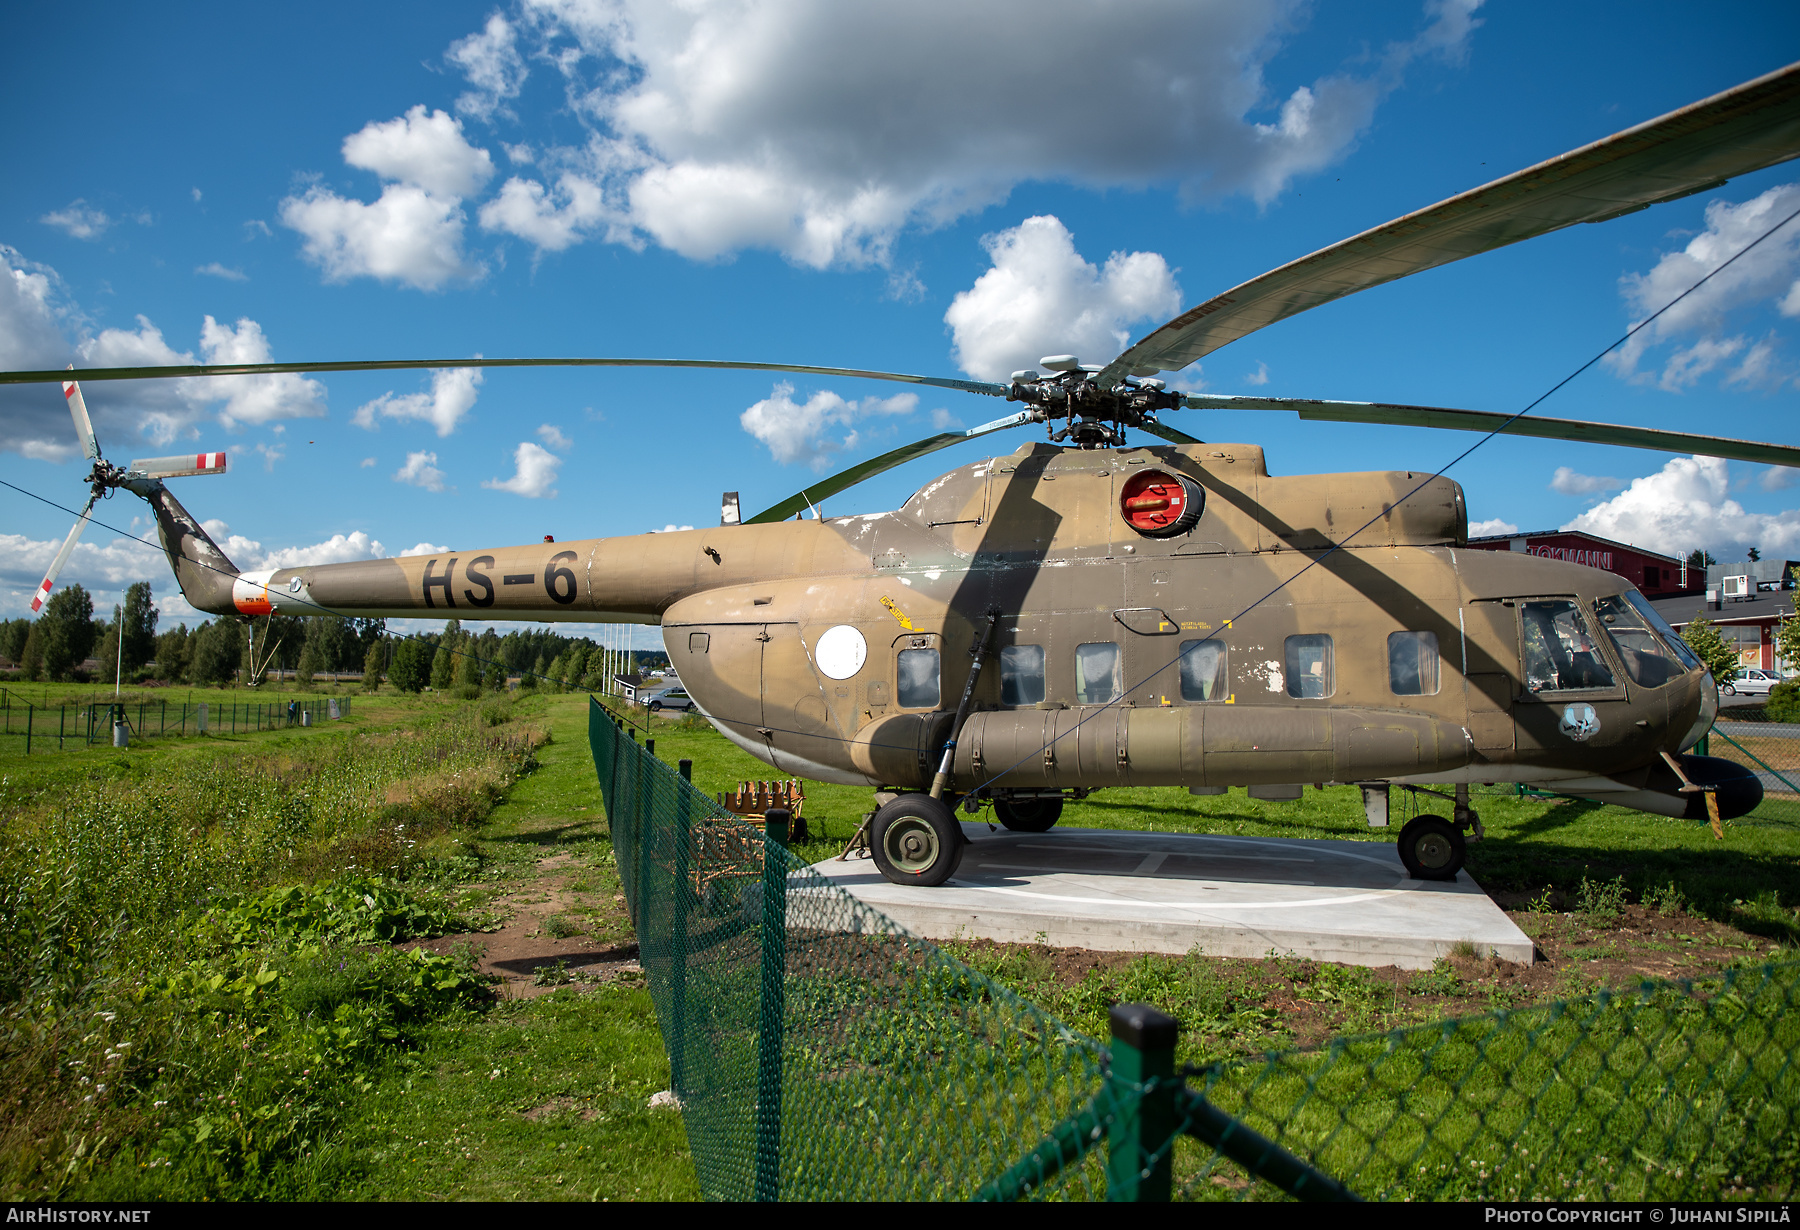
(1028, 815)
(915, 840)
(1432, 849)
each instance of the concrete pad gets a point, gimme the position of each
(1344, 901)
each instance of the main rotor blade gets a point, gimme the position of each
(62, 557)
(84, 426)
(387, 365)
(1169, 434)
(1529, 425)
(1702, 145)
(181, 467)
(849, 477)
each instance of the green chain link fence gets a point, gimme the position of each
(820, 1052)
(31, 728)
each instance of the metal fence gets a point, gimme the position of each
(33, 728)
(819, 1051)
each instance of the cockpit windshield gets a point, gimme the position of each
(1647, 660)
(1682, 650)
(1559, 654)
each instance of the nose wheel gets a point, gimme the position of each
(1432, 849)
(915, 840)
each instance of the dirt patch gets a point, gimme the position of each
(1311, 1002)
(526, 955)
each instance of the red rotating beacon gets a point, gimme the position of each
(1158, 504)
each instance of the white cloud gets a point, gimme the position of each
(413, 232)
(423, 548)
(452, 395)
(533, 472)
(214, 269)
(1686, 505)
(407, 236)
(671, 528)
(1490, 528)
(490, 60)
(40, 329)
(426, 151)
(797, 431)
(820, 129)
(421, 470)
(552, 221)
(367, 463)
(79, 220)
(270, 455)
(1568, 482)
(1259, 377)
(943, 420)
(1777, 478)
(554, 438)
(1767, 275)
(1042, 298)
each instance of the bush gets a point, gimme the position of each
(1784, 702)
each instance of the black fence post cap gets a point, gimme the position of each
(1144, 1027)
(686, 768)
(775, 824)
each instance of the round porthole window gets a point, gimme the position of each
(841, 652)
(1158, 504)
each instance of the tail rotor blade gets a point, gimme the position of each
(84, 426)
(62, 557)
(181, 467)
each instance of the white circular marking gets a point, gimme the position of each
(841, 652)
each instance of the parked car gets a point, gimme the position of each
(674, 698)
(1751, 682)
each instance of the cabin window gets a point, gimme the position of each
(1413, 663)
(1097, 673)
(1203, 670)
(919, 675)
(1310, 673)
(1022, 674)
(1560, 655)
(1647, 660)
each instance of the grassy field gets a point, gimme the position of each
(265, 966)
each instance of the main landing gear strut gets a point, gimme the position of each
(1431, 847)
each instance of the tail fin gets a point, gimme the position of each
(201, 569)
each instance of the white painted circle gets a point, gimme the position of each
(841, 652)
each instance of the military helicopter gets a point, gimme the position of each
(1166, 614)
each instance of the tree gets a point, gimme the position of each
(468, 663)
(374, 663)
(310, 663)
(1716, 653)
(68, 628)
(1754, 555)
(31, 657)
(216, 650)
(138, 626)
(107, 651)
(12, 643)
(172, 654)
(1787, 642)
(411, 665)
(443, 666)
(1700, 558)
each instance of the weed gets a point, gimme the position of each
(1465, 949)
(1440, 979)
(1765, 915)
(1602, 901)
(1667, 900)
(1541, 904)
(554, 974)
(562, 926)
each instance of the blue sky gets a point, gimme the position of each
(937, 188)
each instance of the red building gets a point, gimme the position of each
(1656, 576)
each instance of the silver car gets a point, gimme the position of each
(1751, 682)
(675, 698)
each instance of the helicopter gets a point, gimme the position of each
(1087, 612)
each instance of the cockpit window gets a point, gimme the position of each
(1679, 647)
(1560, 655)
(1647, 661)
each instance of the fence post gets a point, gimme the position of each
(62, 713)
(678, 935)
(1140, 1142)
(774, 1004)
